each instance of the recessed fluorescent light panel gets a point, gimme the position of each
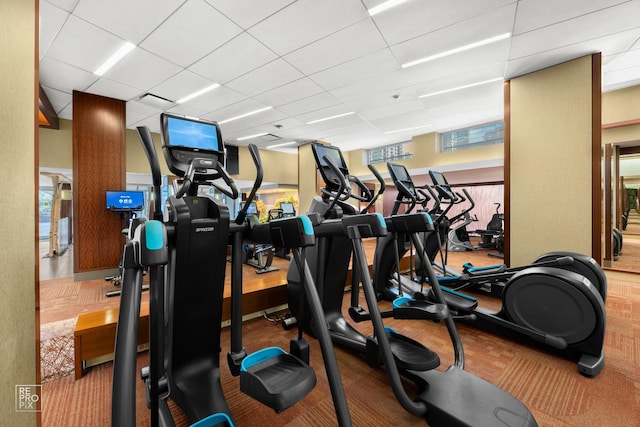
(121, 53)
(330, 118)
(198, 93)
(457, 50)
(461, 87)
(385, 6)
(252, 136)
(251, 113)
(282, 145)
(407, 129)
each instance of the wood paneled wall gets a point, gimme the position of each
(99, 164)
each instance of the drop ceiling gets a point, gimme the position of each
(312, 59)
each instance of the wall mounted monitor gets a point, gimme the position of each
(186, 138)
(321, 151)
(125, 200)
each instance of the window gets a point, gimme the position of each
(476, 136)
(389, 153)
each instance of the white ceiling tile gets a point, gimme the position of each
(612, 43)
(245, 106)
(247, 13)
(64, 77)
(586, 27)
(355, 41)
(235, 58)
(490, 24)
(306, 21)
(617, 79)
(541, 13)
(330, 112)
(357, 70)
(628, 59)
(83, 45)
(187, 110)
(463, 76)
(111, 89)
(67, 112)
(381, 83)
(59, 100)
(391, 109)
(67, 5)
(415, 18)
(49, 27)
(275, 73)
(142, 69)
(216, 99)
(191, 33)
(418, 118)
(180, 85)
(134, 20)
(489, 57)
(290, 92)
(311, 103)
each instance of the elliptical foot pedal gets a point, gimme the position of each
(276, 378)
(219, 420)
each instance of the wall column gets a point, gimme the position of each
(553, 177)
(99, 164)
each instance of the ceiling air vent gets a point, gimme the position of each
(155, 101)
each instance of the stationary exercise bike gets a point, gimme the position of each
(557, 302)
(450, 398)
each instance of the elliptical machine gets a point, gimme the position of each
(186, 257)
(450, 398)
(556, 302)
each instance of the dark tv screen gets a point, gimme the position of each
(233, 163)
(125, 200)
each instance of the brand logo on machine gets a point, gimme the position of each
(204, 229)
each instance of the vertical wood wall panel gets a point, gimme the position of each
(99, 150)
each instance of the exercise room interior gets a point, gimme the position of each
(531, 112)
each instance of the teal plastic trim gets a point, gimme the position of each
(471, 268)
(383, 224)
(390, 329)
(213, 420)
(260, 356)
(428, 217)
(154, 235)
(456, 293)
(306, 224)
(400, 301)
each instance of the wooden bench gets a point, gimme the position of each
(95, 336)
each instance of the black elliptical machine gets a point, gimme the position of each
(557, 302)
(450, 398)
(186, 258)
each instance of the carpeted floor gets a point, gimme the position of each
(549, 385)
(56, 349)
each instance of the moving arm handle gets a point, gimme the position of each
(257, 161)
(380, 191)
(147, 144)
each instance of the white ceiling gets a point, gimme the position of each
(311, 59)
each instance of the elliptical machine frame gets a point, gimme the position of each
(557, 302)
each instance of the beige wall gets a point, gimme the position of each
(620, 106)
(551, 161)
(425, 155)
(307, 187)
(17, 206)
(56, 150)
(278, 167)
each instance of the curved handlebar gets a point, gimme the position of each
(344, 191)
(257, 161)
(156, 176)
(380, 191)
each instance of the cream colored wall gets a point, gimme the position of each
(56, 150)
(278, 167)
(425, 155)
(619, 106)
(551, 161)
(137, 161)
(17, 207)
